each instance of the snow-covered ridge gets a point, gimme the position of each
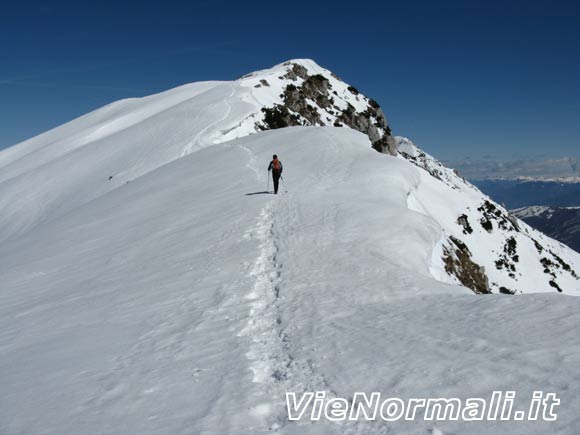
(100, 152)
(300, 92)
(178, 304)
(149, 285)
(118, 143)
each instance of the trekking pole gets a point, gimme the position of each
(285, 188)
(268, 177)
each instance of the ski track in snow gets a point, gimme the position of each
(190, 147)
(253, 163)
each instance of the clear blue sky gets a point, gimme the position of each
(460, 78)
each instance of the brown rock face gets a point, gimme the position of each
(297, 109)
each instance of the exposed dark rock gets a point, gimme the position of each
(295, 100)
(549, 266)
(374, 104)
(462, 220)
(510, 246)
(353, 90)
(564, 265)
(486, 224)
(317, 88)
(362, 121)
(297, 71)
(509, 257)
(278, 117)
(506, 291)
(491, 213)
(503, 263)
(458, 263)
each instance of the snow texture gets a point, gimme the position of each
(149, 285)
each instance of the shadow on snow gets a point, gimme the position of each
(265, 192)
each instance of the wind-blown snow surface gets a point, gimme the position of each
(179, 304)
(129, 138)
(177, 298)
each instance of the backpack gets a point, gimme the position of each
(276, 165)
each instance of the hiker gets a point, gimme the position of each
(276, 168)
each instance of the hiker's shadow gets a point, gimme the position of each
(265, 192)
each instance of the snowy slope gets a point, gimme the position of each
(178, 298)
(99, 152)
(105, 149)
(482, 242)
(169, 305)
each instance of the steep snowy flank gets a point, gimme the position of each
(484, 247)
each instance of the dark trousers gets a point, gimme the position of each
(276, 177)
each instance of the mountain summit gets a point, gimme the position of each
(151, 284)
(480, 245)
(312, 95)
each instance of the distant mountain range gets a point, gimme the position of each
(552, 207)
(561, 223)
(565, 169)
(523, 193)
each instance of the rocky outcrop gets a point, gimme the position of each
(486, 247)
(458, 263)
(369, 122)
(311, 100)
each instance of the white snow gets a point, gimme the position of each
(534, 210)
(406, 146)
(447, 197)
(130, 138)
(178, 298)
